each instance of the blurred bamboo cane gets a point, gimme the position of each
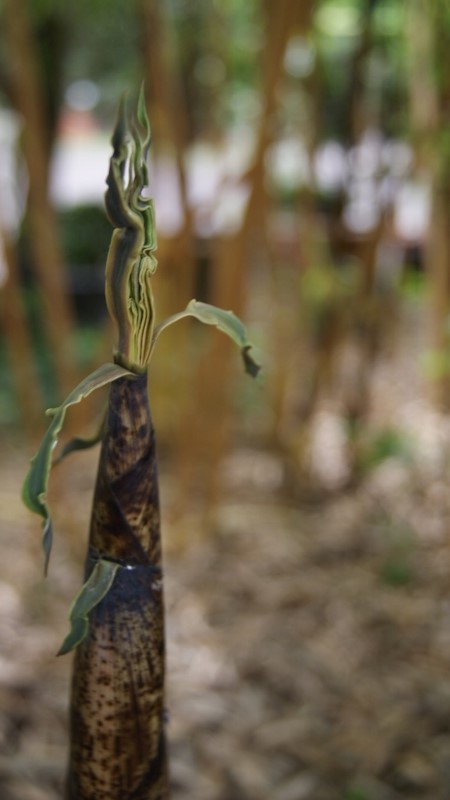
(58, 313)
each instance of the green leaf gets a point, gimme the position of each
(34, 492)
(225, 321)
(250, 365)
(81, 443)
(91, 593)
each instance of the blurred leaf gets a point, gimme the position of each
(397, 572)
(85, 234)
(357, 793)
(397, 567)
(388, 443)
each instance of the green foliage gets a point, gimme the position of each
(86, 341)
(102, 41)
(325, 293)
(357, 793)
(397, 567)
(85, 234)
(242, 31)
(35, 487)
(339, 27)
(103, 45)
(397, 546)
(91, 593)
(397, 570)
(320, 285)
(413, 284)
(388, 443)
(8, 406)
(129, 269)
(225, 321)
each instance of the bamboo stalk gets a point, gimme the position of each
(18, 340)
(429, 87)
(228, 282)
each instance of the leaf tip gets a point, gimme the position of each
(77, 633)
(47, 539)
(252, 368)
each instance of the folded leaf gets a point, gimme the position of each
(34, 492)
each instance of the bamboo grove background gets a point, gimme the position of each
(254, 91)
(300, 170)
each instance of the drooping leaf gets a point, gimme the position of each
(225, 321)
(80, 443)
(93, 590)
(252, 368)
(34, 492)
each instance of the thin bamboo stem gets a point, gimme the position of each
(18, 343)
(229, 284)
(57, 309)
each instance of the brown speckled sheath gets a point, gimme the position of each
(117, 708)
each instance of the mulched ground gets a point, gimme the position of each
(308, 640)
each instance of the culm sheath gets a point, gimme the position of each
(117, 707)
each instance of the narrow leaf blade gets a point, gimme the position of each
(225, 321)
(34, 492)
(81, 443)
(78, 631)
(91, 593)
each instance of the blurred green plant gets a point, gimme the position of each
(397, 546)
(84, 233)
(356, 793)
(8, 404)
(413, 283)
(385, 444)
(436, 363)
(397, 568)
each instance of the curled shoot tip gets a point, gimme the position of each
(131, 262)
